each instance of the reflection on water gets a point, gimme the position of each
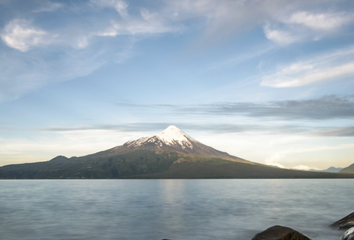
(173, 209)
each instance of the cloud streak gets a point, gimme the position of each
(337, 132)
(332, 66)
(48, 7)
(26, 72)
(321, 21)
(307, 74)
(225, 128)
(307, 26)
(155, 127)
(325, 107)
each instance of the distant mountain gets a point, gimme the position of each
(349, 169)
(330, 169)
(169, 154)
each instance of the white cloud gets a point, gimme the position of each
(274, 160)
(220, 19)
(19, 34)
(279, 36)
(306, 26)
(302, 167)
(331, 66)
(321, 21)
(304, 77)
(82, 42)
(73, 42)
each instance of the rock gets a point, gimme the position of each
(348, 235)
(342, 223)
(280, 233)
(346, 226)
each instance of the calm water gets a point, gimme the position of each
(173, 209)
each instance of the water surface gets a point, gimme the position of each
(174, 209)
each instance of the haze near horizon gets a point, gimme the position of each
(270, 82)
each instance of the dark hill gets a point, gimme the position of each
(122, 166)
(193, 167)
(153, 165)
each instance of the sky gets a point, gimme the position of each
(270, 81)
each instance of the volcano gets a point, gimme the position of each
(171, 139)
(170, 154)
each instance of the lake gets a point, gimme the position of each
(215, 209)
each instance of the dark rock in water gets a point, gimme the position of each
(348, 235)
(342, 222)
(346, 226)
(280, 233)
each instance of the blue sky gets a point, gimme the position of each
(268, 81)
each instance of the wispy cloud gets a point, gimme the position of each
(241, 58)
(315, 149)
(45, 52)
(119, 5)
(277, 158)
(280, 37)
(221, 128)
(298, 75)
(302, 167)
(345, 132)
(48, 7)
(326, 107)
(330, 66)
(23, 72)
(326, 21)
(155, 127)
(214, 21)
(148, 24)
(307, 26)
(274, 160)
(19, 34)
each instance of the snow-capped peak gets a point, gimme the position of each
(170, 136)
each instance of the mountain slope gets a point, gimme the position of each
(194, 167)
(171, 139)
(349, 169)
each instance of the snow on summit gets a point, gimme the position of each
(173, 133)
(170, 136)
